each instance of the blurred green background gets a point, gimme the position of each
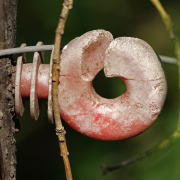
(37, 146)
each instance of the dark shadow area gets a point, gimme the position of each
(109, 88)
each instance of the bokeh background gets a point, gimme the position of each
(38, 154)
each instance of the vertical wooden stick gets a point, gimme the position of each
(60, 132)
(8, 13)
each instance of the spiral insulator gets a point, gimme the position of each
(31, 81)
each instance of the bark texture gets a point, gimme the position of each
(8, 14)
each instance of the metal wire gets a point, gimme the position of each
(20, 50)
(169, 60)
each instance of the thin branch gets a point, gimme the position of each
(169, 26)
(176, 135)
(165, 17)
(107, 169)
(60, 132)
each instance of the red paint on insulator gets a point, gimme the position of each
(26, 80)
(42, 81)
(130, 59)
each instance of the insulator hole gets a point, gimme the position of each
(109, 88)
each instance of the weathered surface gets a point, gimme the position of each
(8, 12)
(130, 59)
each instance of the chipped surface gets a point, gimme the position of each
(134, 62)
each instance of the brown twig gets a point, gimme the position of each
(60, 132)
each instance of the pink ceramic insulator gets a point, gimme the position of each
(130, 59)
(42, 80)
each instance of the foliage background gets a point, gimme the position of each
(37, 147)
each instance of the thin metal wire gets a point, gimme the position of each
(21, 50)
(169, 60)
